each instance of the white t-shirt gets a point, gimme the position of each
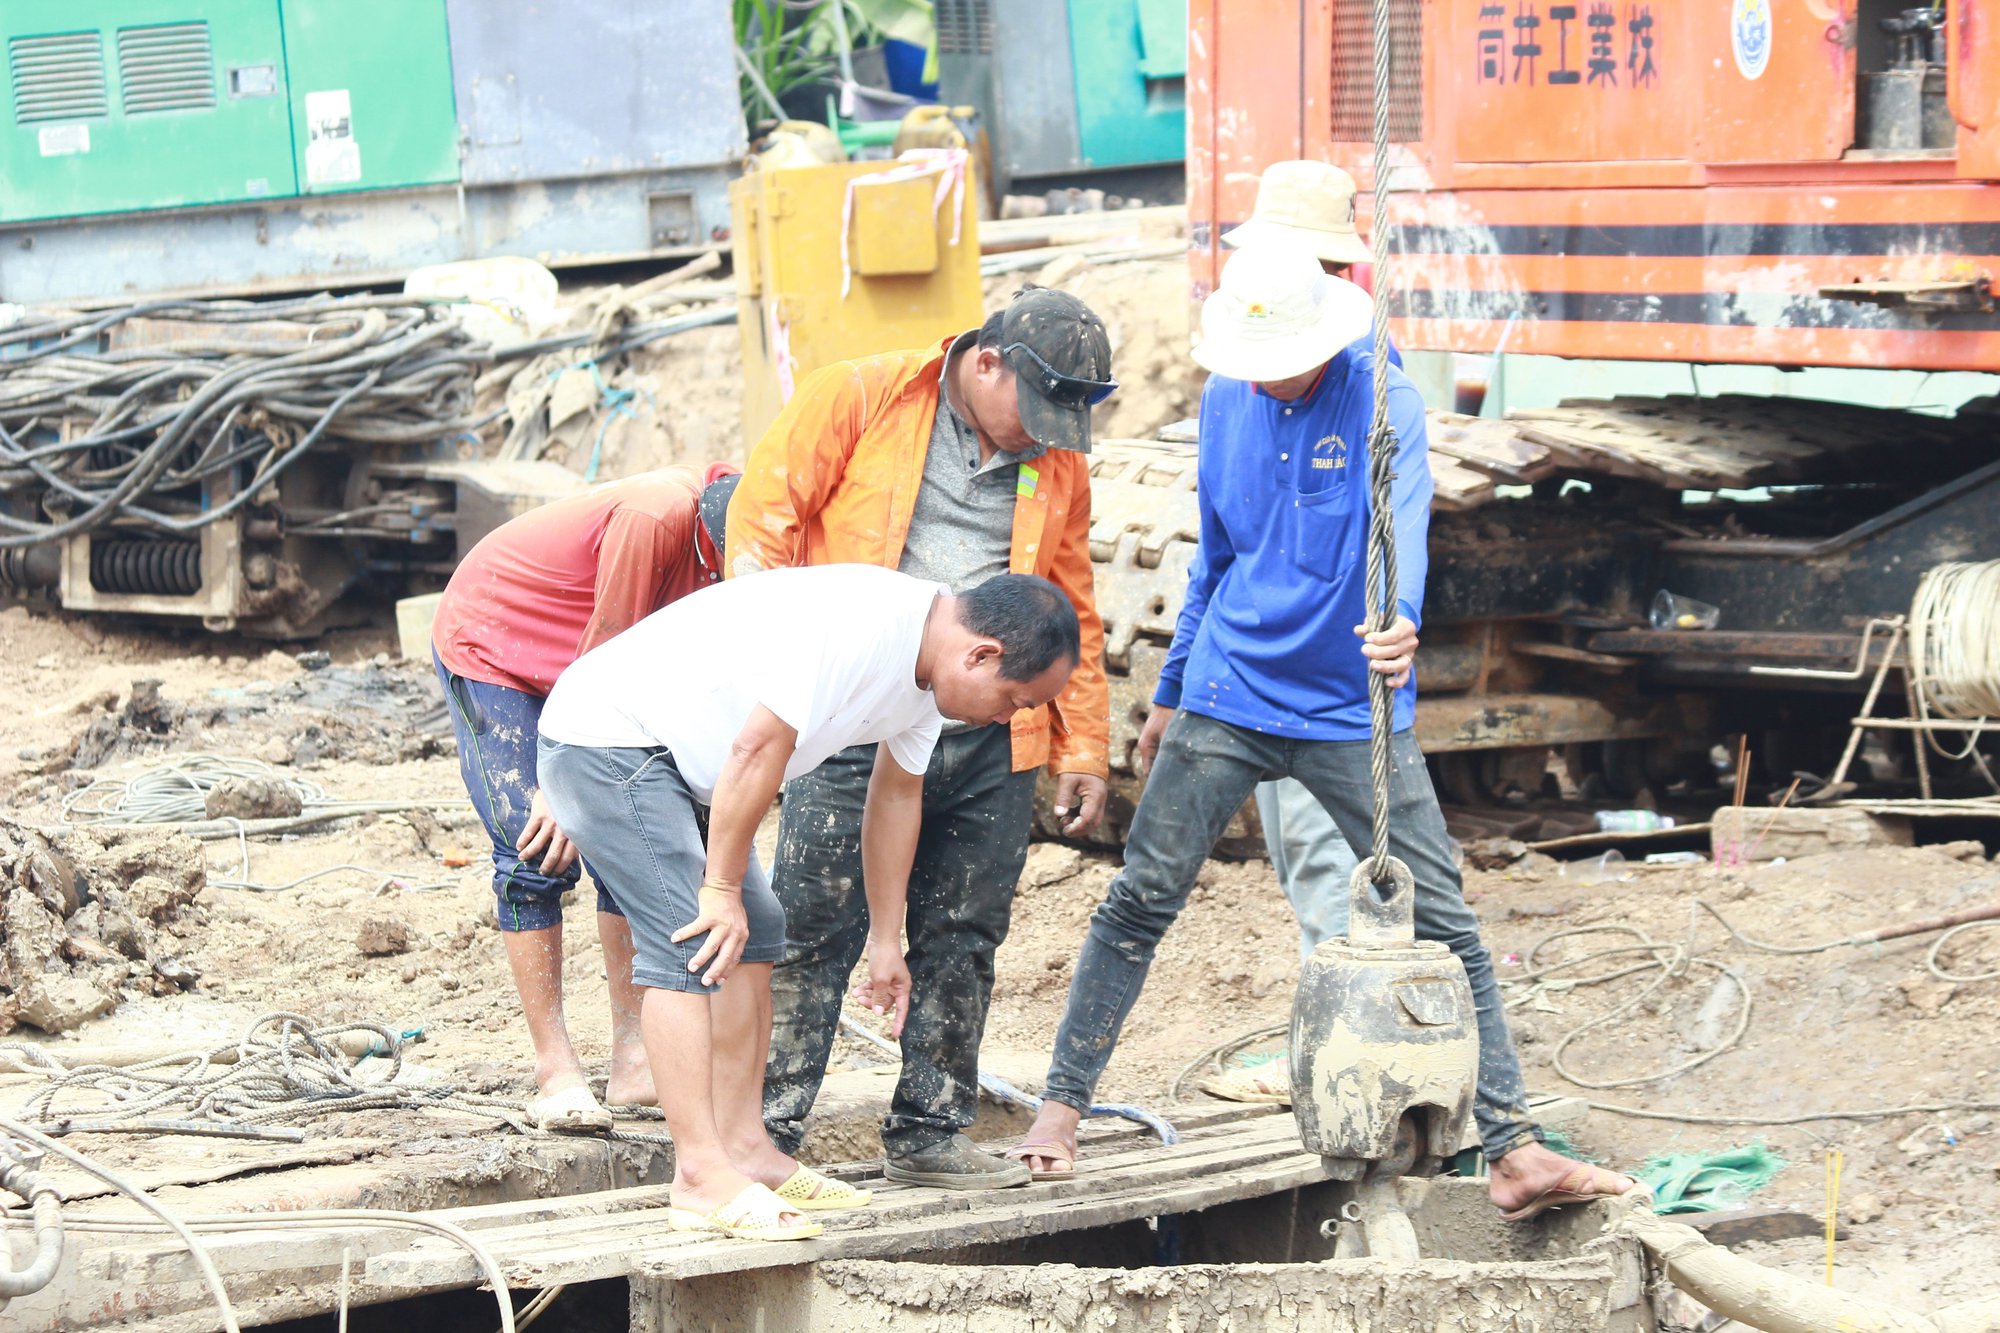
(831, 649)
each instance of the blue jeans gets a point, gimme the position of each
(1312, 858)
(1205, 771)
(496, 729)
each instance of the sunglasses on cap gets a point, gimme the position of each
(1052, 384)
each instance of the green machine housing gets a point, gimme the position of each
(1103, 103)
(263, 144)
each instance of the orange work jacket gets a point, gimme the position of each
(834, 481)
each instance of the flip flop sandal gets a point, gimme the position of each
(1049, 1150)
(571, 1111)
(758, 1214)
(810, 1192)
(1572, 1188)
(1269, 1082)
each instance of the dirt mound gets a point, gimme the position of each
(90, 919)
(680, 400)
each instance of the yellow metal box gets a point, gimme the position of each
(831, 265)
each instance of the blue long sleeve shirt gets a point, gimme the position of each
(1266, 636)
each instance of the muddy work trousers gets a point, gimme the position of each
(969, 856)
(1205, 771)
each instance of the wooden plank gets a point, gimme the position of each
(991, 1227)
(1458, 487)
(1105, 1141)
(293, 1249)
(1496, 448)
(1576, 840)
(593, 1248)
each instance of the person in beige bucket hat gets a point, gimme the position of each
(1308, 202)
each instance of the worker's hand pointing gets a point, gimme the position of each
(542, 838)
(1390, 651)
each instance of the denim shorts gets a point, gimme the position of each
(495, 726)
(630, 812)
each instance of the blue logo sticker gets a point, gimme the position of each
(1750, 36)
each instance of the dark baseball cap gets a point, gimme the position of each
(715, 506)
(1061, 359)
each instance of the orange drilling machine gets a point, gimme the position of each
(1776, 183)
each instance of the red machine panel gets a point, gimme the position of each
(1649, 179)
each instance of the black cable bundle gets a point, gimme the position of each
(96, 432)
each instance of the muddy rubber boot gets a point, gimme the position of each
(955, 1164)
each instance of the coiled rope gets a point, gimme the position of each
(285, 1071)
(1955, 653)
(1955, 640)
(176, 792)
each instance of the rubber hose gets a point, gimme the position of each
(48, 1239)
(1764, 1298)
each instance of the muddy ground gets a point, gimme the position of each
(1842, 1029)
(1847, 1028)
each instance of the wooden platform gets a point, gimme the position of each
(616, 1233)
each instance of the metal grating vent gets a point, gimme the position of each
(1354, 71)
(58, 77)
(169, 67)
(964, 27)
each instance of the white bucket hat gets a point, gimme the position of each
(1311, 202)
(1276, 314)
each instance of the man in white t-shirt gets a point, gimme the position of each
(662, 750)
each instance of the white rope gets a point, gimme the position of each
(1955, 652)
(176, 791)
(1955, 640)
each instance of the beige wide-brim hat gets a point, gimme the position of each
(1275, 314)
(1308, 202)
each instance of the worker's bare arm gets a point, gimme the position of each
(889, 826)
(744, 790)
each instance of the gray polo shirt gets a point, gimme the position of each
(962, 529)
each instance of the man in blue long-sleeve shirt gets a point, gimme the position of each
(1311, 203)
(1264, 679)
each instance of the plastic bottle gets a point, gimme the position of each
(1632, 821)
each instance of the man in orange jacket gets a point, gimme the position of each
(952, 463)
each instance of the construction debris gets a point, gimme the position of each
(89, 920)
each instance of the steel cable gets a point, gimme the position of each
(1381, 470)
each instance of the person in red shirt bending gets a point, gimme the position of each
(533, 596)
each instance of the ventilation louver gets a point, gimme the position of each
(168, 67)
(58, 76)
